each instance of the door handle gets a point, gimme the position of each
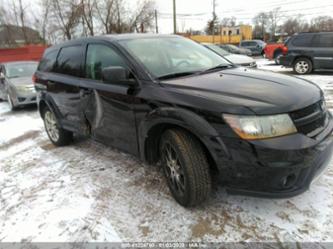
(50, 83)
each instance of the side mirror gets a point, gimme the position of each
(116, 75)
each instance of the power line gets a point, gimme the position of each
(243, 13)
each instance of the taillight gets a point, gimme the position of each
(284, 50)
(34, 78)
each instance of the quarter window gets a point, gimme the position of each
(48, 61)
(69, 61)
(99, 57)
(323, 40)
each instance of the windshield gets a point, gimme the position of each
(172, 55)
(217, 49)
(17, 70)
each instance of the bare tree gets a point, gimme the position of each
(321, 23)
(228, 21)
(41, 19)
(261, 22)
(88, 14)
(105, 12)
(3, 14)
(67, 14)
(143, 18)
(294, 25)
(274, 17)
(213, 26)
(116, 18)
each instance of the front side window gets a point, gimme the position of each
(99, 57)
(302, 40)
(172, 55)
(69, 61)
(18, 70)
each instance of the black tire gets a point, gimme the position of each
(194, 180)
(277, 55)
(302, 66)
(59, 136)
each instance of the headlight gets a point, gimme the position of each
(260, 127)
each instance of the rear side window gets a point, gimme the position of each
(302, 40)
(69, 61)
(323, 40)
(100, 56)
(48, 61)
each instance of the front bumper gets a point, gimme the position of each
(279, 167)
(24, 99)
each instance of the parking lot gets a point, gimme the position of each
(90, 192)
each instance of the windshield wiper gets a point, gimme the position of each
(217, 68)
(175, 75)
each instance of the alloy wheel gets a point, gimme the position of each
(51, 126)
(302, 67)
(173, 169)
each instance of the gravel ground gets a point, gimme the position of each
(89, 192)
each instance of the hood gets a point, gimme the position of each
(21, 81)
(239, 59)
(246, 91)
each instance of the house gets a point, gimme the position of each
(227, 35)
(15, 36)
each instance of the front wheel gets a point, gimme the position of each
(302, 66)
(185, 167)
(56, 134)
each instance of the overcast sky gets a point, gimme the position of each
(195, 13)
(244, 11)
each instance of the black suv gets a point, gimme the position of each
(306, 52)
(168, 99)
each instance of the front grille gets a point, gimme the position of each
(311, 120)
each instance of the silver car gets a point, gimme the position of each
(237, 59)
(16, 84)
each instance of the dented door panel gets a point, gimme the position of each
(109, 112)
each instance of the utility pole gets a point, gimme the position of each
(156, 23)
(174, 17)
(214, 17)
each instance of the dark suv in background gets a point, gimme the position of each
(169, 99)
(306, 52)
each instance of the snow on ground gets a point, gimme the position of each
(90, 192)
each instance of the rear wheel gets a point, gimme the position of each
(302, 66)
(56, 134)
(185, 167)
(277, 56)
